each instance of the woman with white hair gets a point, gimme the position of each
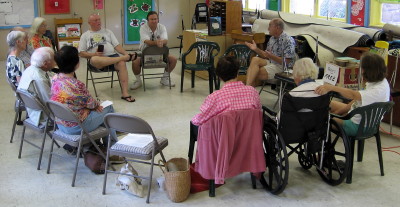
(304, 74)
(38, 29)
(16, 41)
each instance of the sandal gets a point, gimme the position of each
(128, 98)
(131, 56)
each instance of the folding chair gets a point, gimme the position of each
(62, 112)
(33, 103)
(18, 108)
(108, 69)
(154, 57)
(131, 124)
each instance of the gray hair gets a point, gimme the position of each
(36, 24)
(13, 37)
(40, 55)
(305, 68)
(278, 22)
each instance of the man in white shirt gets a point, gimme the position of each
(97, 37)
(153, 34)
(42, 61)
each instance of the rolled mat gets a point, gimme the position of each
(394, 29)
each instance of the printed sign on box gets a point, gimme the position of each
(347, 76)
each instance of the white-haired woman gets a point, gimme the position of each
(304, 74)
(38, 29)
(16, 41)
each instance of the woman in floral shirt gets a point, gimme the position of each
(38, 29)
(68, 90)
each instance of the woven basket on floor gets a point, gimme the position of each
(177, 179)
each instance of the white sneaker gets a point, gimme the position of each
(137, 84)
(165, 82)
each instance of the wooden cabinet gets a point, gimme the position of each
(68, 32)
(230, 13)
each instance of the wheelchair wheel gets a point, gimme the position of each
(306, 161)
(336, 156)
(277, 174)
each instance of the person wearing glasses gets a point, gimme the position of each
(269, 62)
(38, 29)
(153, 33)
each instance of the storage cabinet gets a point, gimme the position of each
(68, 32)
(230, 13)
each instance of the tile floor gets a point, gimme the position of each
(169, 112)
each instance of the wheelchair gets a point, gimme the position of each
(303, 126)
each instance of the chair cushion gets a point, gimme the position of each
(137, 150)
(99, 132)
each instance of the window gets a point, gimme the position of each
(387, 11)
(333, 9)
(251, 5)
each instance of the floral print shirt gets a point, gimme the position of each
(40, 41)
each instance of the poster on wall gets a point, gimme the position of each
(135, 15)
(357, 12)
(17, 13)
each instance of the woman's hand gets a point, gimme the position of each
(324, 89)
(99, 109)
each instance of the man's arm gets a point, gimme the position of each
(120, 49)
(89, 54)
(253, 46)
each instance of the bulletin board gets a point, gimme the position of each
(135, 13)
(17, 13)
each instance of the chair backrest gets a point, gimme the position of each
(155, 57)
(302, 115)
(243, 54)
(205, 53)
(201, 13)
(127, 123)
(31, 101)
(371, 117)
(62, 112)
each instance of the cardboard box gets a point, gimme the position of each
(348, 76)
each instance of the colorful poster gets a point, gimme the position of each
(357, 12)
(135, 16)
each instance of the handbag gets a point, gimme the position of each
(94, 161)
(177, 178)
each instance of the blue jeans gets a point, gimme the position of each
(92, 122)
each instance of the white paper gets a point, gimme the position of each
(136, 140)
(331, 74)
(106, 103)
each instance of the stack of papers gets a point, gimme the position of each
(136, 140)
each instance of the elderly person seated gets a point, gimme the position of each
(42, 61)
(17, 42)
(234, 95)
(68, 90)
(25, 55)
(38, 29)
(304, 74)
(373, 70)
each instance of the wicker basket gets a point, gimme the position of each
(177, 179)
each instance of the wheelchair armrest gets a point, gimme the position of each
(269, 111)
(347, 117)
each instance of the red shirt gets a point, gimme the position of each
(232, 96)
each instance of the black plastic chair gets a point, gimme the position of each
(200, 14)
(108, 69)
(205, 53)
(243, 54)
(371, 116)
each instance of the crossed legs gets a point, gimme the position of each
(136, 64)
(256, 71)
(120, 66)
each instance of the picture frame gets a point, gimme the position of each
(214, 26)
(57, 7)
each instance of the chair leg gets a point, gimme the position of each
(253, 181)
(360, 150)
(50, 156)
(210, 80)
(144, 83)
(193, 138)
(350, 173)
(378, 145)
(151, 178)
(13, 128)
(182, 75)
(22, 142)
(94, 86)
(112, 79)
(193, 74)
(211, 192)
(78, 153)
(106, 170)
(42, 147)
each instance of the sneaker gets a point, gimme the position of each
(165, 82)
(137, 84)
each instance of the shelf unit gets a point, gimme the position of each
(71, 33)
(230, 13)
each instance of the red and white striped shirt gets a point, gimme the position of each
(232, 96)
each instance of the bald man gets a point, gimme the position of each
(88, 48)
(269, 62)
